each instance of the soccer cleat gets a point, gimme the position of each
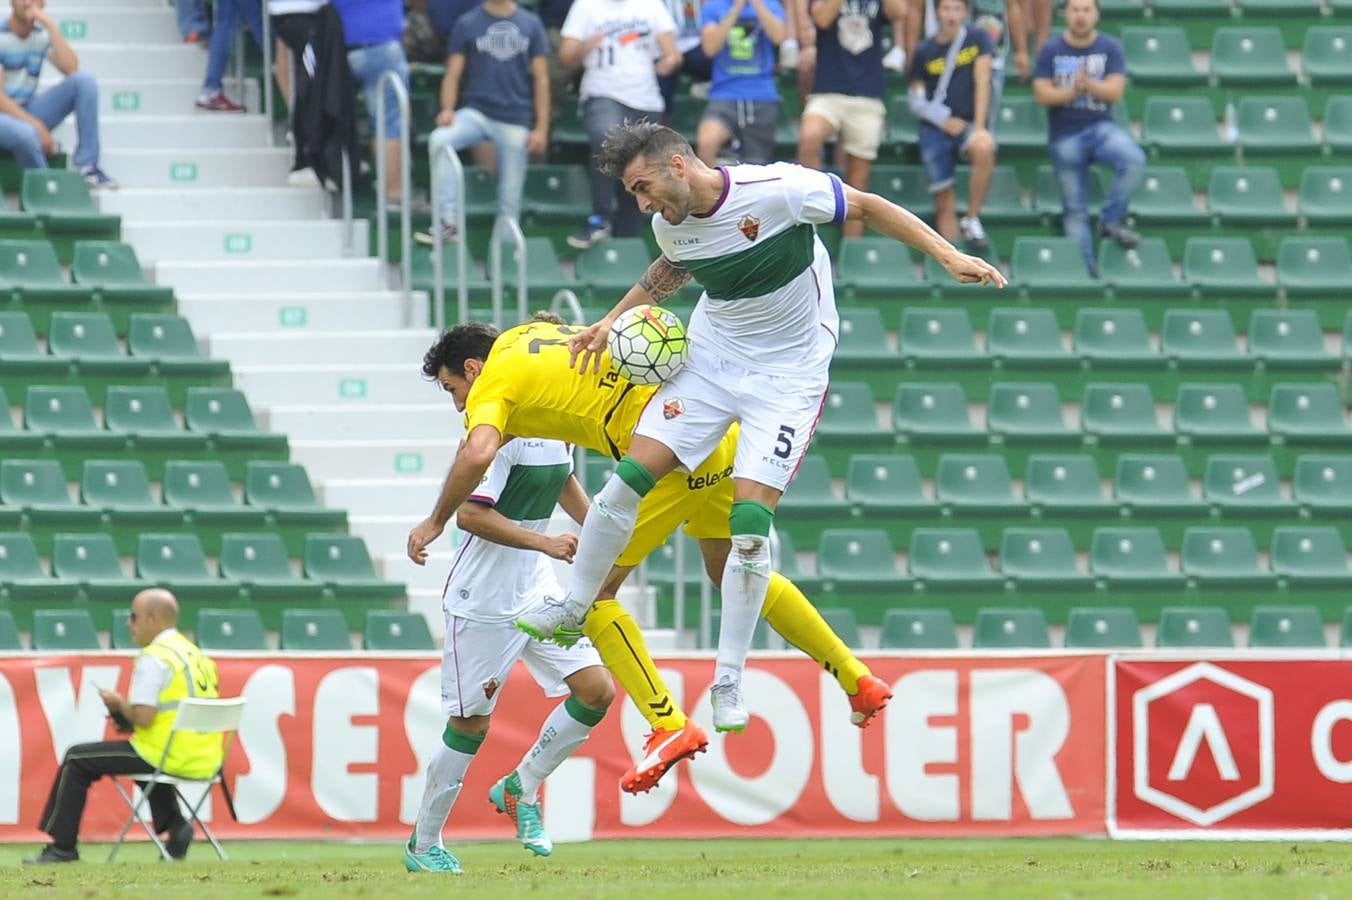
(435, 859)
(729, 712)
(552, 620)
(662, 750)
(530, 830)
(869, 700)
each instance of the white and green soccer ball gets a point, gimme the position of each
(648, 344)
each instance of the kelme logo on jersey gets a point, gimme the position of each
(750, 226)
(672, 408)
(490, 688)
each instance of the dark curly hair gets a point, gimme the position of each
(631, 139)
(470, 340)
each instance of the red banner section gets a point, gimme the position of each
(1234, 747)
(336, 747)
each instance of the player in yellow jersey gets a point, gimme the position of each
(519, 384)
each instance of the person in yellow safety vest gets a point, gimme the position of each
(169, 669)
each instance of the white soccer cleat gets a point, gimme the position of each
(729, 712)
(553, 620)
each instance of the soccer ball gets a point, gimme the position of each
(648, 344)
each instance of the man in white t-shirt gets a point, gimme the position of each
(502, 568)
(617, 41)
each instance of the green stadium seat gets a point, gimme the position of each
(1145, 273)
(1245, 486)
(861, 558)
(1041, 559)
(843, 622)
(544, 272)
(1287, 626)
(1308, 414)
(1290, 339)
(22, 577)
(92, 560)
(38, 487)
(121, 490)
(32, 267)
(1132, 558)
(320, 630)
(1150, 485)
(1275, 126)
(1028, 413)
(1224, 558)
(612, 267)
(1326, 196)
(1018, 628)
(1122, 414)
(848, 417)
(934, 413)
(1045, 266)
(1322, 485)
(951, 558)
(64, 630)
(810, 494)
(785, 558)
(1194, 626)
(1164, 200)
(1326, 56)
(64, 414)
(202, 488)
(476, 285)
(877, 268)
(1199, 18)
(1022, 125)
(1182, 127)
(62, 202)
(111, 270)
(284, 490)
(259, 563)
(557, 193)
(903, 128)
(1248, 197)
(1216, 414)
(145, 413)
(1202, 339)
(942, 285)
(1315, 267)
(1114, 338)
(394, 629)
(1004, 207)
(22, 361)
(1066, 486)
(888, 484)
(14, 441)
(1337, 123)
(230, 629)
(1047, 193)
(1160, 58)
(1305, 556)
(1247, 57)
(976, 484)
(862, 343)
(918, 629)
(1102, 628)
(1027, 338)
(662, 564)
(224, 415)
(933, 338)
(9, 633)
(340, 562)
(88, 339)
(1225, 269)
(176, 561)
(167, 342)
(906, 186)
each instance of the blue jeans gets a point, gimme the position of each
(230, 15)
(79, 93)
(1105, 144)
(469, 128)
(609, 198)
(367, 65)
(192, 16)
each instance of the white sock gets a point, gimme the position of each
(563, 732)
(445, 777)
(605, 533)
(746, 578)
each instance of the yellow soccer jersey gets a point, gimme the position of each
(527, 389)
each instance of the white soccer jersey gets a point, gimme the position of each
(769, 303)
(492, 583)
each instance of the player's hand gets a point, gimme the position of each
(445, 118)
(559, 546)
(585, 347)
(955, 126)
(967, 269)
(424, 533)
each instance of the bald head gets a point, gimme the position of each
(152, 611)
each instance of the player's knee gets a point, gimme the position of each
(595, 689)
(750, 518)
(635, 475)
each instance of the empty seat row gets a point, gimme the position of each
(58, 203)
(1161, 56)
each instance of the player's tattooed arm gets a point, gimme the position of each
(663, 279)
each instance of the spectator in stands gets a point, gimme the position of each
(689, 19)
(849, 87)
(230, 16)
(741, 36)
(192, 21)
(1003, 20)
(373, 29)
(499, 50)
(799, 50)
(620, 40)
(1079, 76)
(169, 668)
(950, 91)
(322, 113)
(27, 117)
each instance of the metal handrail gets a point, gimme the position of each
(461, 254)
(501, 224)
(405, 188)
(267, 70)
(564, 297)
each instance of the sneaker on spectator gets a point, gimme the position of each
(448, 235)
(1124, 236)
(305, 177)
(97, 179)
(594, 231)
(973, 232)
(218, 102)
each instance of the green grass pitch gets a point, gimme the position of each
(696, 869)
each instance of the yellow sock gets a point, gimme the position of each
(798, 622)
(617, 638)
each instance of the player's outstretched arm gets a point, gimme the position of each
(887, 218)
(662, 280)
(573, 499)
(471, 462)
(491, 525)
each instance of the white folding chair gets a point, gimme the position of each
(194, 714)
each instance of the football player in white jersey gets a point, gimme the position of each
(502, 568)
(761, 340)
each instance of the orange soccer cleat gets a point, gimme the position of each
(869, 700)
(662, 750)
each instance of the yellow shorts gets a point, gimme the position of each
(701, 499)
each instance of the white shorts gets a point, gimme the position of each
(778, 413)
(478, 657)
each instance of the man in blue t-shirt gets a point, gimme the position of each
(740, 36)
(498, 50)
(373, 30)
(1079, 75)
(952, 108)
